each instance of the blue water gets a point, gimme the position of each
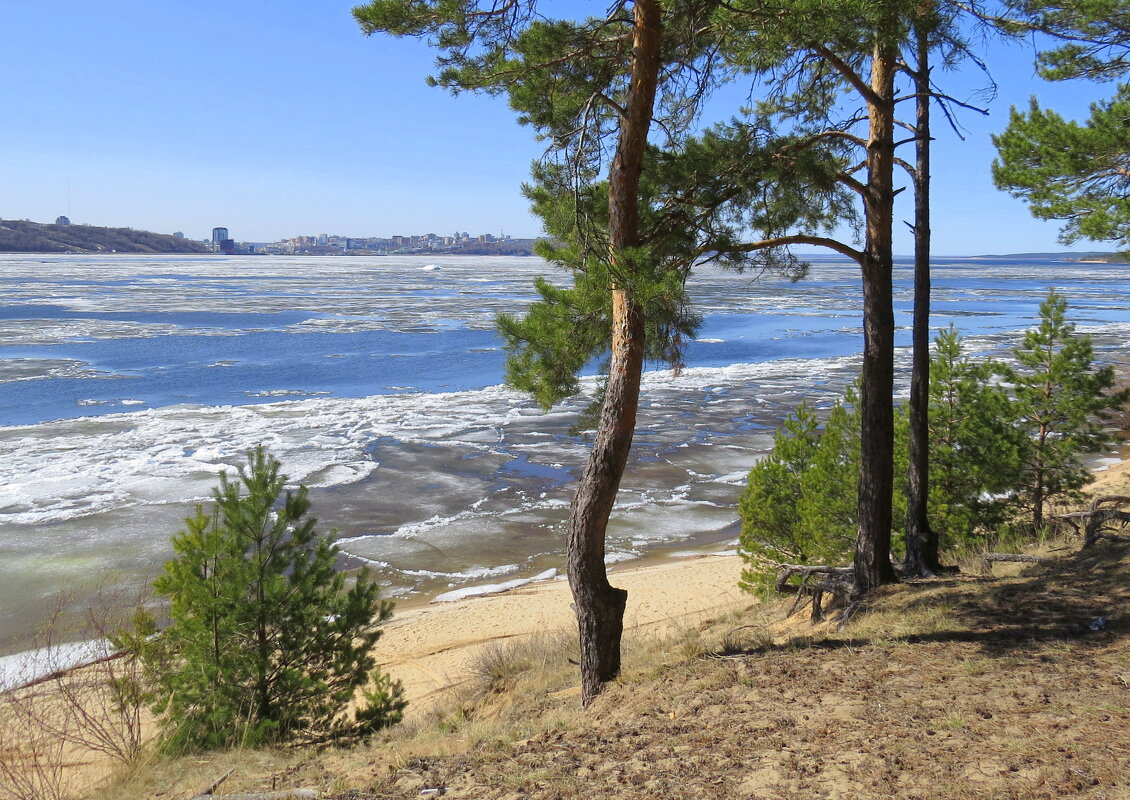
(375, 381)
(246, 368)
(133, 332)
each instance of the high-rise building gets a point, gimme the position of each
(62, 221)
(218, 235)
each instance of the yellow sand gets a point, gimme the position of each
(429, 647)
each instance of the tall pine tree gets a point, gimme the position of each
(631, 216)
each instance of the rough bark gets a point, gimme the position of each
(599, 605)
(873, 543)
(921, 540)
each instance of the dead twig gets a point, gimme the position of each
(211, 790)
(836, 581)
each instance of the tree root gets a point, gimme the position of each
(839, 582)
(1105, 509)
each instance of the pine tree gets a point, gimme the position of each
(799, 504)
(1060, 401)
(265, 643)
(1065, 170)
(633, 203)
(974, 446)
(1070, 171)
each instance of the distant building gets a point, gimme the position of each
(226, 246)
(62, 221)
(218, 236)
(178, 234)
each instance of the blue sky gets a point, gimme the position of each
(281, 118)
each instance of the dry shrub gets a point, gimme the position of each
(66, 716)
(540, 658)
(32, 759)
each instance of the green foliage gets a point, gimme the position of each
(1095, 36)
(1068, 171)
(1060, 401)
(696, 204)
(383, 704)
(1064, 170)
(266, 643)
(994, 447)
(975, 449)
(799, 505)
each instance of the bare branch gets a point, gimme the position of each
(818, 241)
(849, 74)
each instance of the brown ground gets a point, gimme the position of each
(969, 687)
(998, 689)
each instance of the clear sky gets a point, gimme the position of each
(280, 118)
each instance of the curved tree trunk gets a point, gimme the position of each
(599, 605)
(921, 540)
(876, 474)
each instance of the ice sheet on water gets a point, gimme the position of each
(67, 468)
(492, 588)
(30, 369)
(20, 669)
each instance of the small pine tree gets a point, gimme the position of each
(266, 643)
(799, 505)
(974, 446)
(1060, 401)
(989, 450)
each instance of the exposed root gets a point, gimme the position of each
(836, 581)
(1105, 509)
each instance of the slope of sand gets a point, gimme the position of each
(430, 648)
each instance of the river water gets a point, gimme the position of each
(128, 382)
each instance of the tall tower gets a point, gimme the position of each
(219, 235)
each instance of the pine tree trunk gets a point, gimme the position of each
(873, 542)
(599, 605)
(921, 540)
(1040, 475)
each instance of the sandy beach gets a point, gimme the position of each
(429, 647)
(432, 646)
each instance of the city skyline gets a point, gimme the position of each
(284, 117)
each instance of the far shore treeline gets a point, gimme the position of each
(22, 236)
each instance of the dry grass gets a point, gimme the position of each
(63, 732)
(958, 688)
(964, 687)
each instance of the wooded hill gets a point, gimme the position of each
(21, 236)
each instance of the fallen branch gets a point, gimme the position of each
(1020, 557)
(1104, 510)
(68, 670)
(215, 785)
